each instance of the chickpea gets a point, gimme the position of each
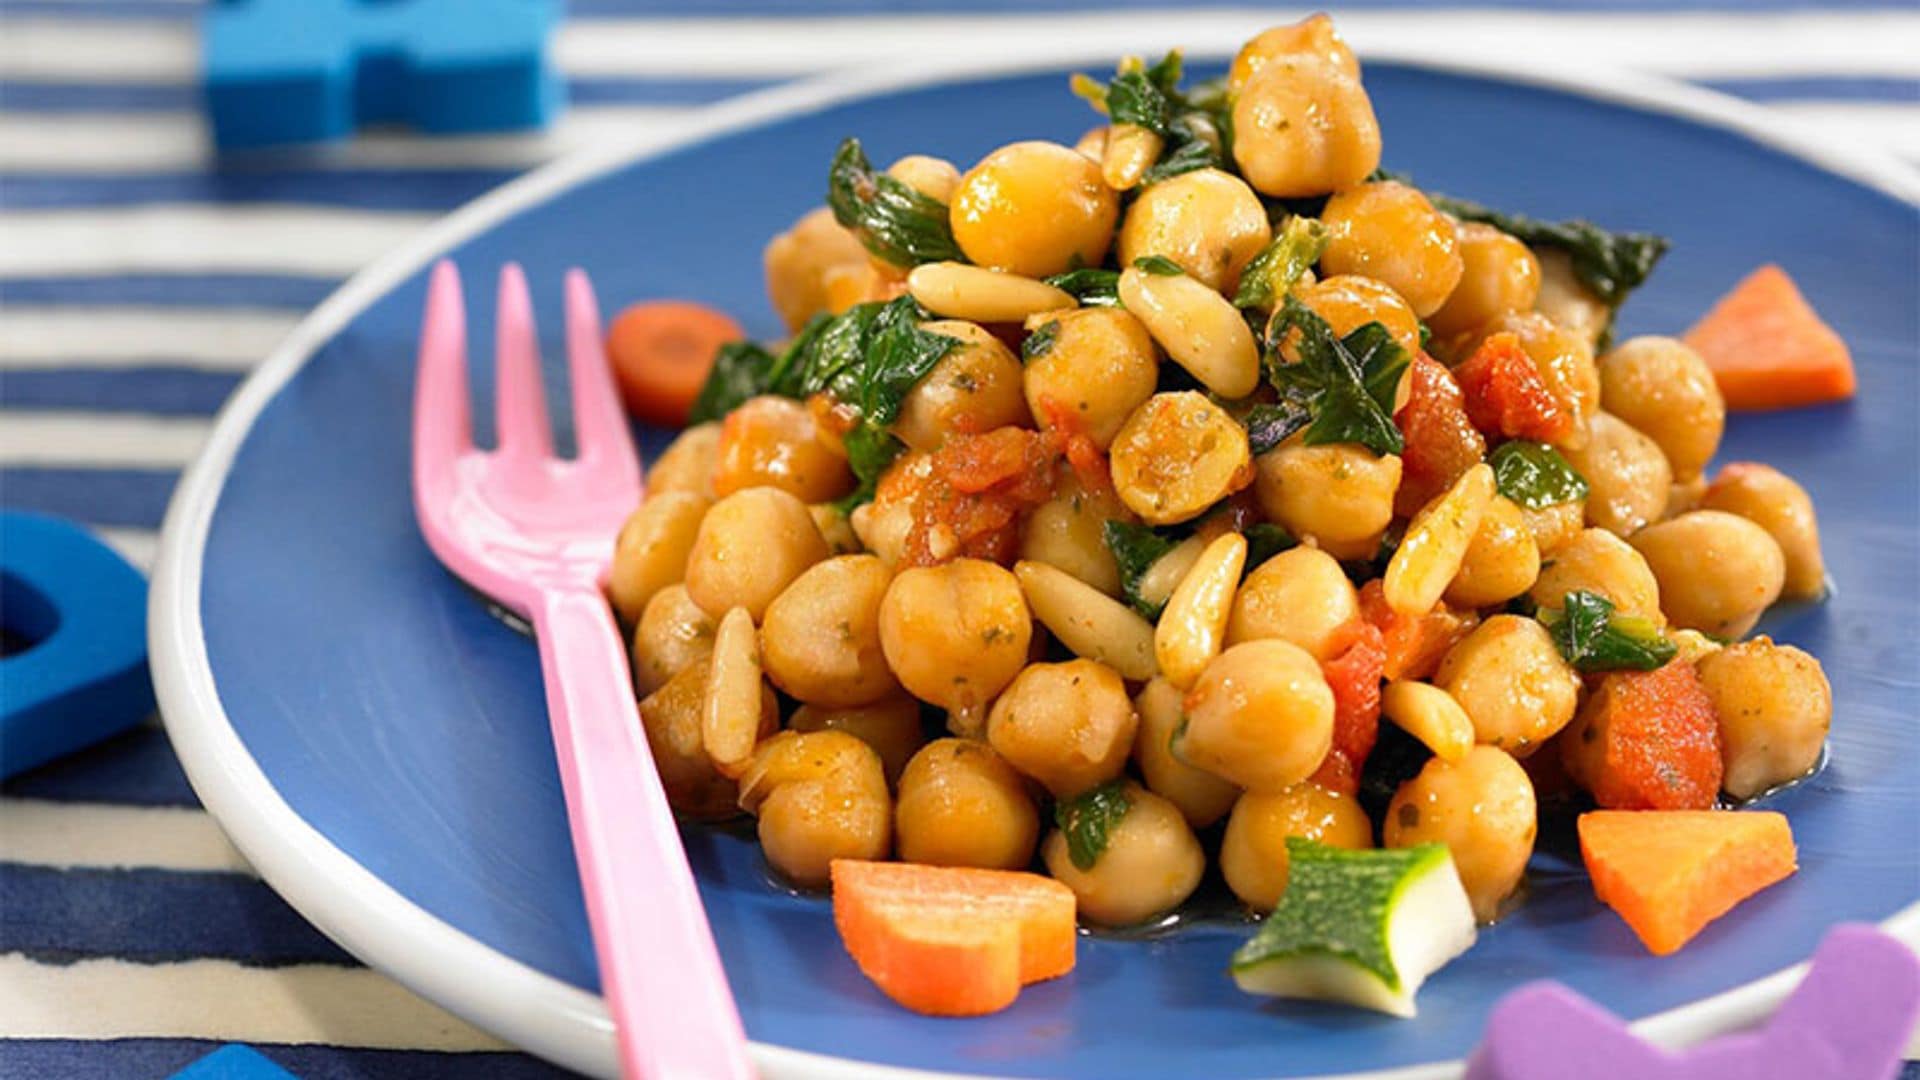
(956, 634)
(1260, 715)
(883, 524)
(673, 633)
(1554, 525)
(936, 178)
(1300, 596)
(976, 387)
(1627, 476)
(835, 529)
(1597, 561)
(820, 639)
(1068, 725)
(671, 719)
(1177, 455)
(1066, 532)
(1502, 562)
(1151, 864)
(1253, 854)
(891, 726)
(820, 796)
(1348, 302)
(688, 463)
(1388, 231)
(651, 551)
(1684, 495)
(1498, 275)
(1770, 499)
(1202, 797)
(1208, 221)
(1663, 388)
(1717, 571)
(1512, 683)
(1567, 301)
(750, 547)
(1034, 208)
(1101, 366)
(1775, 706)
(1304, 126)
(798, 260)
(773, 441)
(1339, 495)
(961, 804)
(1483, 809)
(1563, 358)
(1311, 36)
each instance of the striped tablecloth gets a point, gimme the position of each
(139, 283)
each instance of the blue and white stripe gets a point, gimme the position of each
(139, 283)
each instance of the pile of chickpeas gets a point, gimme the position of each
(867, 688)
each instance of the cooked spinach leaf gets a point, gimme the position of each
(1193, 143)
(1611, 264)
(895, 222)
(870, 449)
(1270, 424)
(1159, 266)
(1139, 95)
(1345, 384)
(1135, 549)
(1593, 636)
(1087, 821)
(1264, 541)
(1092, 286)
(1295, 248)
(1534, 475)
(741, 370)
(1040, 342)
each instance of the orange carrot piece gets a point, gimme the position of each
(1769, 349)
(661, 352)
(952, 941)
(1671, 872)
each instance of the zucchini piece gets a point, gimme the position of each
(1363, 927)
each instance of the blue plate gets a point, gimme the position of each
(375, 740)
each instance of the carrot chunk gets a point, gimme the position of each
(1769, 349)
(1671, 872)
(661, 352)
(952, 941)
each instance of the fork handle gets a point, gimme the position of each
(673, 1013)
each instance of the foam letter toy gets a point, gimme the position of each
(233, 1062)
(1850, 1017)
(75, 666)
(290, 71)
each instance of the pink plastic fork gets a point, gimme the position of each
(535, 532)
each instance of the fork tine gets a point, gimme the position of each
(442, 413)
(520, 401)
(598, 420)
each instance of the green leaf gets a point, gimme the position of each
(1092, 286)
(1593, 636)
(1343, 391)
(1159, 266)
(1534, 475)
(1135, 549)
(870, 450)
(1264, 541)
(1611, 264)
(1270, 424)
(1040, 342)
(1145, 97)
(1295, 248)
(1187, 151)
(893, 220)
(898, 355)
(741, 370)
(1087, 821)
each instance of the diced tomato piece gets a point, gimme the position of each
(1414, 644)
(1441, 442)
(1354, 677)
(1069, 431)
(1648, 740)
(1505, 395)
(978, 489)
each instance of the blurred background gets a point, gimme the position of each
(143, 274)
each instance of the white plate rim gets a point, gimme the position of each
(536, 1011)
